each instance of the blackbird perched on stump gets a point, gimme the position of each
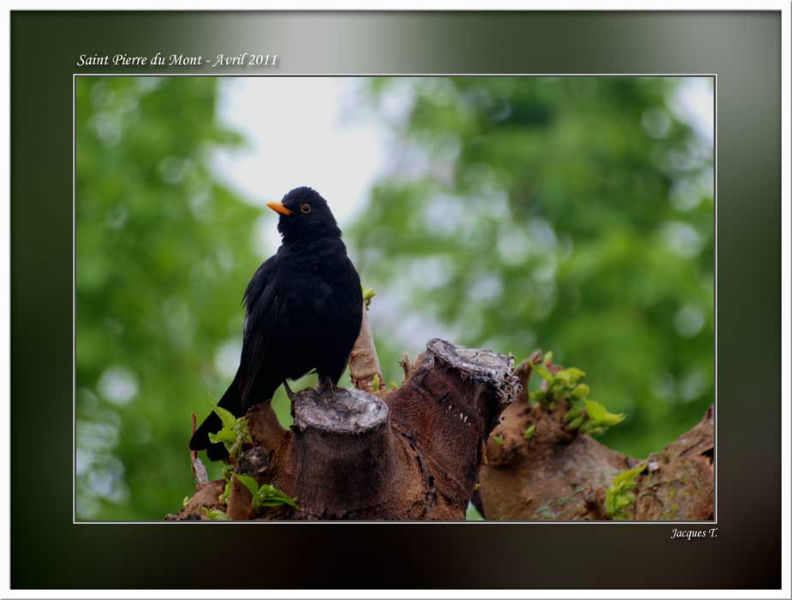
(303, 310)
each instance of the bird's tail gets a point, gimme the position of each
(231, 401)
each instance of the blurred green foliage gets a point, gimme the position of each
(571, 214)
(163, 255)
(575, 215)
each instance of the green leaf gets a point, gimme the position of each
(368, 294)
(569, 377)
(575, 411)
(472, 514)
(226, 416)
(234, 432)
(248, 482)
(529, 432)
(537, 396)
(542, 371)
(581, 391)
(619, 496)
(226, 493)
(269, 495)
(265, 495)
(224, 436)
(601, 416)
(216, 515)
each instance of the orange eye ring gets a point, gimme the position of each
(305, 208)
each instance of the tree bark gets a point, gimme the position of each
(563, 475)
(406, 454)
(364, 364)
(455, 431)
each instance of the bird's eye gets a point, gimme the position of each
(305, 208)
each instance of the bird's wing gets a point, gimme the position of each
(259, 282)
(261, 316)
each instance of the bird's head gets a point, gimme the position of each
(304, 215)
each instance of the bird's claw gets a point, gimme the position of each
(327, 388)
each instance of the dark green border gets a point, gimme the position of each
(742, 48)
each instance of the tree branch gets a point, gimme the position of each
(406, 454)
(460, 417)
(363, 361)
(562, 475)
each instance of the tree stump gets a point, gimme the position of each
(417, 452)
(407, 454)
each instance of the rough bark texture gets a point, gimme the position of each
(560, 475)
(198, 470)
(406, 454)
(679, 482)
(363, 361)
(460, 417)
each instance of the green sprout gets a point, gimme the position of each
(619, 496)
(226, 493)
(233, 434)
(590, 417)
(583, 415)
(368, 294)
(543, 372)
(265, 495)
(375, 382)
(216, 515)
(498, 440)
(565, 384)
(529, 432)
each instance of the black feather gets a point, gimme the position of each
(303, 309)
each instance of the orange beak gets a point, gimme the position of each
(279, 208)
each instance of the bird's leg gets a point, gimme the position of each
(326, 387)
(289, 392)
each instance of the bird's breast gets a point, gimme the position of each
(319, 291)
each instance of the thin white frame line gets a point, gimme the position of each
(416, 75)
(715, 461)
(74, 300)
(714, 76)
(762, 7)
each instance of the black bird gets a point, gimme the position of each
(303, 310)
